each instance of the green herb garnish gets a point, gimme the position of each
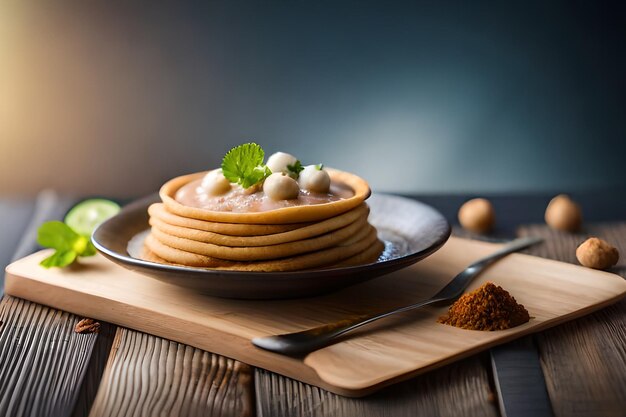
(243, 165)
(295, 169)
(71, 238)
(319, 167)
(68, 244)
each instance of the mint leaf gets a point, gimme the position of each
(83, 246)
(243, 165)
(90, 250)
(68, 244)
(258, 174)
(295, 169)
(57, 235)
(59, 258)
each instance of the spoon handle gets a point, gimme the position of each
(338, 328)
(318, 337)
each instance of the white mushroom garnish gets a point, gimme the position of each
(280, 186)
(214, 183)
(314, 178)
(278, 162)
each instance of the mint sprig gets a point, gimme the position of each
(243, 165)
(68, 244)
(59, 259)
(295, 169)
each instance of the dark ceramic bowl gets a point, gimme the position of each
(411, 231)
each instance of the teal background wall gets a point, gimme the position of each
(115, 97)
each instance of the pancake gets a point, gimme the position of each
(368, 256)
(306, 232)
(158, 210)
(147, 255)
(159, 252)
(258, 253)
(295, 214)
(254, 230)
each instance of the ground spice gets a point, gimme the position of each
(490, 307)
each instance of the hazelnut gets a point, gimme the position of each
(563, 214)
(477, 215)
(597, 253)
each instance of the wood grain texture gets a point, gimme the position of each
(516, 367)
(14, 217)
(459, 389)
(519, 381)
(83, 363)
(584, 361)
(385, 352)
(150, 376)
(38, 344)
(95, 369)
(42, 361)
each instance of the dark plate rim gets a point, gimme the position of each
(145, 201)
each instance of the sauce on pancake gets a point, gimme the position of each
(239, 200)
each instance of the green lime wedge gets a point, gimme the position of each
(85, 216)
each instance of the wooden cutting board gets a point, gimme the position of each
(379, 355)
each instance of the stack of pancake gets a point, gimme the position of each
(294, 238)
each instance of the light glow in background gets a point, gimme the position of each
(113, 98)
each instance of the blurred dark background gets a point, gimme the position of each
(113, 98)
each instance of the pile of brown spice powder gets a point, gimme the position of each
(489, 307)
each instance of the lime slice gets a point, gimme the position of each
(85, 216)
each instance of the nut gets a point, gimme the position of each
(563, 214)
(597, 253)
(87, 326)
(477, 215)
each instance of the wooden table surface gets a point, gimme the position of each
(47, 369)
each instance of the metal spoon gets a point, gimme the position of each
(318, 337)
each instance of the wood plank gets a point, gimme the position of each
(147, 375)
(584, 361)
(458, 389)
(384, 353)
(519, 381)
(30, 337)
(424, 395)
(94, 354)
(14, 217)
(95, 369)
(43, 361)
(516, 367)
